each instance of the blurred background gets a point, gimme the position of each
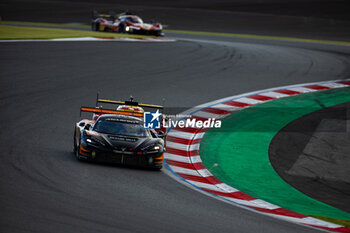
(307, 18)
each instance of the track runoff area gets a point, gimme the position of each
(184, 160)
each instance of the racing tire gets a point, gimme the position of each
(74, 144)
(121, 28)
(156, 169)
(77, 154)
(95, 27)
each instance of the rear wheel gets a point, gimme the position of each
(95, 27)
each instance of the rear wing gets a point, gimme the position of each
(101, 110)
(111, 15)
(130, 102)
(108, 111)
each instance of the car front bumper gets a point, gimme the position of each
(154, 160)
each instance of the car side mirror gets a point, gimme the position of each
(87, 127)
(161, 134)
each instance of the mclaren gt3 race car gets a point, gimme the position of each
(118, 136)
(125, 22)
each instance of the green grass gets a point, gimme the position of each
(47, 24)
(17, 32)
(342, 222)
(250, 36)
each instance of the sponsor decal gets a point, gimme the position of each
(192, 123)
(155, 120)
(122, 120)
(152, 120)
(123, 139)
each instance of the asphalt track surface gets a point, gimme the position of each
(310, 154)
(45, 189)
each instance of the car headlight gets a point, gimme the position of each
(94, 142)
(152, 147)
(157, 147)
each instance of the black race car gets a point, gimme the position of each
(120, 138)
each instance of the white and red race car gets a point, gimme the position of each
(124, 22)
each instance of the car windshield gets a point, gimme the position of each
(133, 19)
(120, 127)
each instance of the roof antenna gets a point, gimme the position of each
(97, 97)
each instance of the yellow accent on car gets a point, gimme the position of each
(128, 108)
(122, 102)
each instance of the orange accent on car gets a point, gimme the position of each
(110, 111)
(92, 133)
(84, 154)
(161, 157)
(83, 149)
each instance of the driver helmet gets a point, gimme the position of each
(129, 108)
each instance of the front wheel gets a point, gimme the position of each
(157, 168)
(74, 144)
(121, 28)
(77, 153)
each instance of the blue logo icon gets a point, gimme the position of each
(151, 120)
